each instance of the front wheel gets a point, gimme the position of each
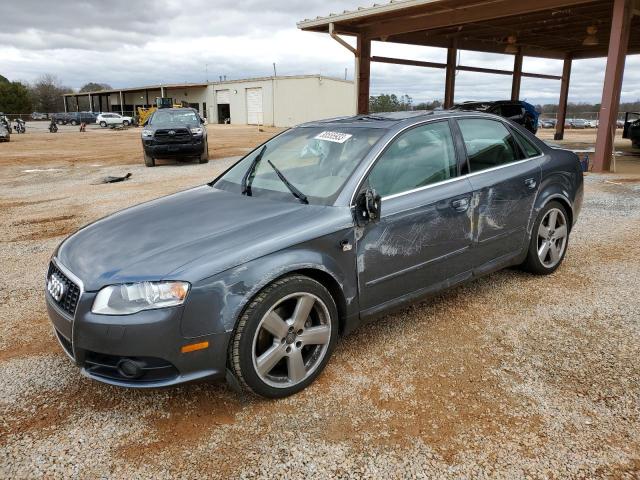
(149, 161)
(103, 124)
(285, 337)
(549, 240)
(204, 158)
(125, 123)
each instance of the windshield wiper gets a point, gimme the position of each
(296, 193)
(246, 184)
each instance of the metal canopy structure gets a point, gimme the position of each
(555, 29)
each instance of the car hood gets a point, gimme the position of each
(160, 239)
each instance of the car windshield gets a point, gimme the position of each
(172, 118)
(317, 161)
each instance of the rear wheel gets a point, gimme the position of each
(149, 161)
(549, 240)
(284, 337)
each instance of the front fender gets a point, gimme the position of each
(215, 303)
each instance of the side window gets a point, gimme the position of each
(418, 157)
(489, 144)
(530, 149)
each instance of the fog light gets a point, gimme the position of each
(129, 368)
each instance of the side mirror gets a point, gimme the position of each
(368, 207)
(146, 122)
(202, 120)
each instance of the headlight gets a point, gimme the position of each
(196, 131)
(147, 133)
(135, 297)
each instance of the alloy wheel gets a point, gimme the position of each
(291, 340)
(552, 237)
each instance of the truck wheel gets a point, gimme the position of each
(204, 158)
(149, 161)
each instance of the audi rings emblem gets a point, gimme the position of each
(56, 287)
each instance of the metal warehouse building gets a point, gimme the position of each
(280, 101)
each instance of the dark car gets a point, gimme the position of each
(174, 132)
(76, 118)
(632, 128)
(519, 112)
(254, 275)
(60, 118)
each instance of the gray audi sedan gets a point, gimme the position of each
(254, 276)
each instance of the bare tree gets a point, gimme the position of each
(47, 93)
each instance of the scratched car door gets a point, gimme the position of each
(422, 239)
(505, 178)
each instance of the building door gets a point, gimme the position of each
(254, 106)
(223, 99)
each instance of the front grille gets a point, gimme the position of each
(69, 300)
(107, 366)
(181, 135)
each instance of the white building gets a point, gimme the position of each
(279, 101)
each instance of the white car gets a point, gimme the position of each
(106, 119)
(592, 123)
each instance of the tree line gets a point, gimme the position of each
(392, 103)
(43, 95)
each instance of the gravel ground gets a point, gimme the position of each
(511, 376)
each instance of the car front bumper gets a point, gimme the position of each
(173, 149)
(101, 344)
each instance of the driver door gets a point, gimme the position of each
(421, 242)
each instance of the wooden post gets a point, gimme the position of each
(517, 77)
(77, 104)
(564, 95)
(618, 43)
(450, 78)
(121, 103)
(363, 60)
(66, 107)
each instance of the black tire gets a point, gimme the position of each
(125, 123)
(204, 158)
(533, 264)
(74, 123)
(240, 355)
(103, 124)
(149, 161)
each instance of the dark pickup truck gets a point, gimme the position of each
(632, 128)
(174, 133)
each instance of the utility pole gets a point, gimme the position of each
(275, 74)
(206, 72)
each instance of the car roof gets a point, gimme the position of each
(389, 120)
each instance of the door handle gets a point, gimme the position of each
(460, 205)
(531, 183)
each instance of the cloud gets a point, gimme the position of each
(130, 43)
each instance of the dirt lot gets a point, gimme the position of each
(511, 376)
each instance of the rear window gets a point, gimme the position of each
(488, 143)
(530, 149)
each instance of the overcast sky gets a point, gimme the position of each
(134, 43)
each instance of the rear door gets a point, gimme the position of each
(505, 181)
(423, 237)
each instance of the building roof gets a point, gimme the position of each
(203, 85)
(543, 28)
